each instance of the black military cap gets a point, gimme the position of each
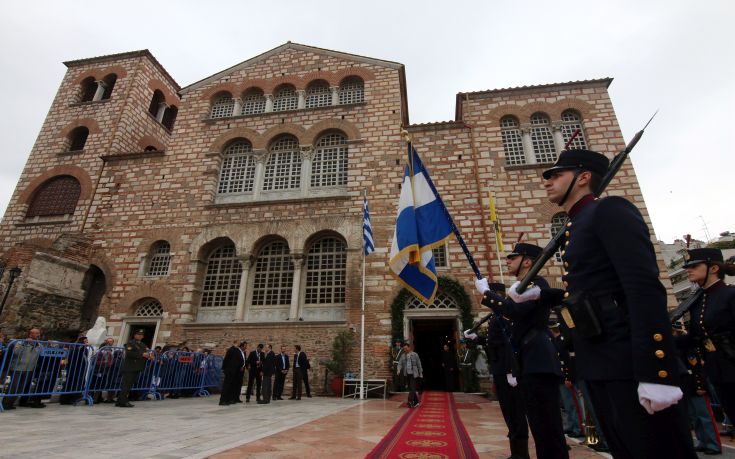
(579, 159)
(528, 250)
(139, 331)
(696, 256)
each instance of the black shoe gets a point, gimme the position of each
(600, 448)
(261, 402)
(237, 401)
(124, 405)
(37, 405)
(9, 407)
(292, 398)
(224, 403)
(711, 452)
(308, 396)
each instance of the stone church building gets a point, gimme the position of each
(232, 208)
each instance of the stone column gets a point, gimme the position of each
(335, 95)
(237, 109)
(558, 137)
(528, 143)
(298, 262)
(161, 111)
(261, 156)
(302, 98)
(101, 86)
(306, 155)
(268, 103)
(247, 261)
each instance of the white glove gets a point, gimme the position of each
(532, 294)
(469, 334)
(481, 285)
(657, 397)
(511, 380)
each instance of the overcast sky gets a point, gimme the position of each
(676, 56)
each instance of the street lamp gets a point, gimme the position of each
(13, 273)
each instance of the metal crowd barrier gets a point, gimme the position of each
(46, 368)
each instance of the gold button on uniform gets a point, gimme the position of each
(563, 252)
(566, 284)
(569, 224)
(658, 337)
(566, 294)
(566, 264)
(660, 354)
(567, 233)
(663, 374)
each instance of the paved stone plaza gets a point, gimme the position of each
(320, 427)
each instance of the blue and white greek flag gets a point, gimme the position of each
(367, 230)
(421, 225)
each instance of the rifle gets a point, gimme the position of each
(686, 305)
(557, 240)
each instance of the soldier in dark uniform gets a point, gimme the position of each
(466, 356)
(615, 306)
(712, 326)
(395, 355)
(500, 359)
(539, 371)
(136, 354)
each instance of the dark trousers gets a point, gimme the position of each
(278, 385)
(726, 396)
(305, 378)
(267, 388)
(449, 379)
(20, 382)
(254, 375)
(231, 386)
(128, 379)
(297, 383)
(511, 405)
(540, 394)
(413, 397)
(633, 433)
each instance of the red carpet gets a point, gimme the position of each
(431, 431)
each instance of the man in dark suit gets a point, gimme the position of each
(136, 354)
(269, 369)
(615, 306)
(300, 373)
(282, 366)
(255, 372)
(233, 366)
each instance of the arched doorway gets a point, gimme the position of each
(94, 285)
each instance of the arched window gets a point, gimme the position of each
(283, 168)
(542, 139)
(78, 138)
(326, 272)
(223, 105)
(109, 83)
(329, 167)
(557, 224)
(442, 301)
(159, 259)
(89, 89)
(150, 148)
(149, 307)
(273, 278)
(351, 90)
(222, 279)
(238, 168)
(169, 117)
(512, 141)
(253, 102)
(156, 101)
(57, 196)
(571, 121)
(318, 94)
(285, 98)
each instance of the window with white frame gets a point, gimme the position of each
(542, 139)
(326, 272)
(223, 106)
(329, 166)
(571, 121)
(222, 278)
(283, 168)
(285, 98)
(149, 307)
(273, 276)
(160, 259)
(442, 301)
(351, 90)
(557, 224)
(237, 174)
(318, 94)
(512, 141)
(253, 102)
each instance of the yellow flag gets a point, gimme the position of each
(496, 223)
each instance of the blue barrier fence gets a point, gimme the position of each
(39, 369)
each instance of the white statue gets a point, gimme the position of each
(97, 334)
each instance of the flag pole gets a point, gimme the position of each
(362, 320)
(498, 234)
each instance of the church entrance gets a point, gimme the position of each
(429, 337)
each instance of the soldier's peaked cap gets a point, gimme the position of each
(696, 256)
(587, 160)
(139, 331)
(525, 249)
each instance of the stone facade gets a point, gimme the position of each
(142, 183)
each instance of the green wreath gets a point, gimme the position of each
(448, 286)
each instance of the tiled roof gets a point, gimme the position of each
(607, 80)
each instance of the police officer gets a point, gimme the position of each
(466, 357)
(539, 371)
(712, 326)
(615, 306)
(135, 358)
(500, 358)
